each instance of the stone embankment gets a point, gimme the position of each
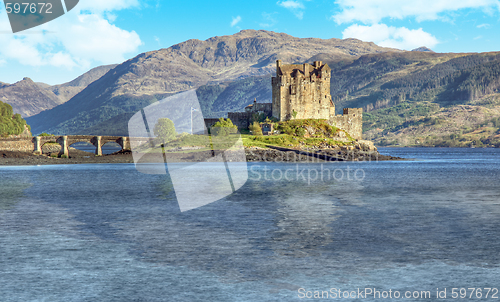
(276, 154)
(16, 143)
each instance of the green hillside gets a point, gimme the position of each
(424, 99)
(10, 123)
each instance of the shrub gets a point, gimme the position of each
(164, 130)
(298, 127)
(224, 127)
(255, 128)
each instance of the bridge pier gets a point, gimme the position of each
(63, 141)
(97, 143)
(38, 146)
(124, 142)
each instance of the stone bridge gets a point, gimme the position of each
(68, 140)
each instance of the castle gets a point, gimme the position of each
(302, 91)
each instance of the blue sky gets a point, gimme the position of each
(101, 32)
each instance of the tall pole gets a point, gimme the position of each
(192, 109)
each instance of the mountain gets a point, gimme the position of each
(409, 97)
(423, 48)
(68, 90)
(29, 98)
(189, 65)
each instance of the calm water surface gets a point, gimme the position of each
(109, 233)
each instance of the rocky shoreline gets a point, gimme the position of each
(253, 154)
(316, 155)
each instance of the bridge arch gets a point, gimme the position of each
(68, 140)
(40, 141)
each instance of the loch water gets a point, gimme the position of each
(105, 232)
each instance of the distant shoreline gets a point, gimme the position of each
(15, 158)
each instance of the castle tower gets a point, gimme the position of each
(302, 91)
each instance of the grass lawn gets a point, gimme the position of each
(285, 140)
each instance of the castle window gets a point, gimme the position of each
(293, 89)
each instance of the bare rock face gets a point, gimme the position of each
(366, 145)
(26, 132)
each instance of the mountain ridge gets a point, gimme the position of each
(29, 98)
(407, 96)
(188, 65)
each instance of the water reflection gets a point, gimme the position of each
(11, 190)
(269, 229)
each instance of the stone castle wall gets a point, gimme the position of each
(24, 144)
(267, 108)
(240, 119)
(209, 122)
(351, 122)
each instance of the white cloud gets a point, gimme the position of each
(373, 11)
(235, 21)
(484, 25)
(269, 20)
(81, 37)
(390, 36)
(290, 4)
(295, 7)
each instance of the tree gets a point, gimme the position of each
(255, 129)
(294, 114)
(165, 130)
(224, 127)
(10, 123)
